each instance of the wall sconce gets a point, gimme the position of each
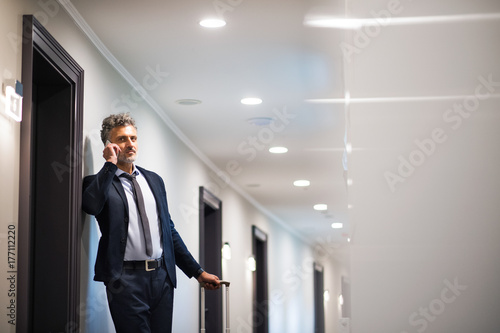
(341, 300)
(226, 251)
(251, 264)
(13, 91)
(326, 295)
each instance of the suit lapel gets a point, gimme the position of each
(119, 188)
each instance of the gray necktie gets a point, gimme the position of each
(139, 200)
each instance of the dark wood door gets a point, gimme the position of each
(50, 185)
(260, 292)
(319, 305)
(210, 255)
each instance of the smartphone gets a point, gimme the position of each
(116, 151)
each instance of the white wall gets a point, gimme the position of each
(441, 225)
(290, 283)
(10, 68)
(425, 248)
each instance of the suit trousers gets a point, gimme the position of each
(141, 301)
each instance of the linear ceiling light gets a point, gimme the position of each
(357, 23)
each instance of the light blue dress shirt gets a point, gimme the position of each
(136, 245)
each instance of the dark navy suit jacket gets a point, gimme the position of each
(104, 197)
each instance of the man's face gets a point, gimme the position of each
(126, 138)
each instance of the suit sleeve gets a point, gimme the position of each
(96, 189)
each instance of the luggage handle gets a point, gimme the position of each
(202, 308)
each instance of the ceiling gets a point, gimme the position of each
(267, 50)
(264, 51)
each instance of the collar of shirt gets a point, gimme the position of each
(135, 172)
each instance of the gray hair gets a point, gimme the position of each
(115, 120)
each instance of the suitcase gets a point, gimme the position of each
(202, 308)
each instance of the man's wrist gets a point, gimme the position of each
(198, 273)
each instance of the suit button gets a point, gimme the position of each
(123, 240)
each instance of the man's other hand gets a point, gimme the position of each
(209, 281)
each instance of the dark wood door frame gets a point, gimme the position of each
(37, 39)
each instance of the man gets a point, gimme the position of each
(137, 265)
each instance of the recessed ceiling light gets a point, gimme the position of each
(301, 183)
(278, 150)
(188, 101)
(251, 101)
(212, 23)
(337, 225)
(320, 207)
(349, 181)
(260, 121)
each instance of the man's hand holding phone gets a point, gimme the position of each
(111, 152)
